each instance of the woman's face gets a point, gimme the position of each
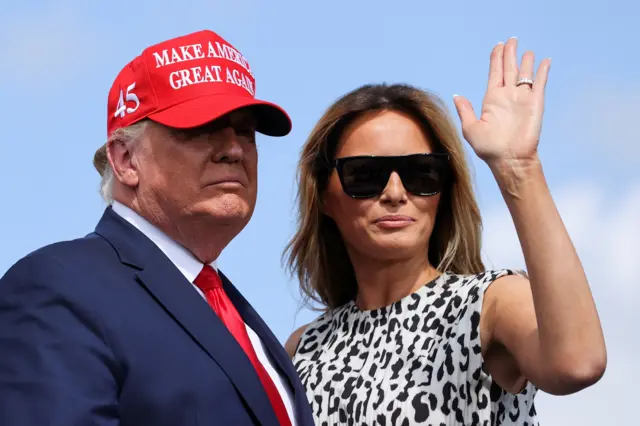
(395, 224)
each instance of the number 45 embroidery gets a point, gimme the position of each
(122, 108)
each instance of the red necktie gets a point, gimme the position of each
(210, 283)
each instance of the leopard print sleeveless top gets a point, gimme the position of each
(415, 362)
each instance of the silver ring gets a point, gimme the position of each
(524, 81)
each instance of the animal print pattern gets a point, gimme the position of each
(415, 362)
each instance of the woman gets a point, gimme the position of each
(415, 330)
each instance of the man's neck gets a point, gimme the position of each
(196, 236)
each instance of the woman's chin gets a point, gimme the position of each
(390, 247)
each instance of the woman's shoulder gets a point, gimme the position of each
(482, 279)
(473, 288)
(292, 343)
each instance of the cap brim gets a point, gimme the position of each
(272, 120)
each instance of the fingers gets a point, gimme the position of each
(465, 110)
(510, 62)
(526, 68)
(541, 78)
(504, 72)
(496, 75)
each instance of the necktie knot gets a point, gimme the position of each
(208, 279)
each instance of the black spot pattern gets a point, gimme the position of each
(416, 362)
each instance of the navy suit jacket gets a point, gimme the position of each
(105, 330)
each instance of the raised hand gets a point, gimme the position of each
(511, 117)
(548, 323)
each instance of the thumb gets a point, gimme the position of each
(465, 110)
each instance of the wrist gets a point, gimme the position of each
(515, 175)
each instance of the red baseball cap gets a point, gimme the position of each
(186, 82)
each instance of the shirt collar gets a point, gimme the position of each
(182, 258)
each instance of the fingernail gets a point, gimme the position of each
(513, 37)
(455, 95)
(499, 43)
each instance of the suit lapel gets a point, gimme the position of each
(274, 347)
(181, 301)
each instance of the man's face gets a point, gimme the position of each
(201, 174)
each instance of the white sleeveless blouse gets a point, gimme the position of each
(415, 362)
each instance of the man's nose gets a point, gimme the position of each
(229, 149)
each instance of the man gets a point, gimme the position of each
(133, 324)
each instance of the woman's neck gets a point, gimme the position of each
(383, 283)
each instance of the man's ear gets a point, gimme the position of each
(122, 160)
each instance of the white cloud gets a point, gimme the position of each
(49, 47)
(604, 228)
(606, 232)
(609, 403)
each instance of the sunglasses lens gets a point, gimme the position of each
(364, 177)
(423, 174)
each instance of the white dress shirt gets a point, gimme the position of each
(190, 268)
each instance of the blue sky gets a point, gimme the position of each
(60, 58)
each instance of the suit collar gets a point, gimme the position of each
(170, 288)
(131, 245)
(182, 258)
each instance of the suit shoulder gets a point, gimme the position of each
(50, 260)
(87, 246)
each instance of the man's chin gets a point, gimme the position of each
(226, 208)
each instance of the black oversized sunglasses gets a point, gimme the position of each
(367, 176)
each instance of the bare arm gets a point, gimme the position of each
(550, 324)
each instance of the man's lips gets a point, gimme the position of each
(229, 180)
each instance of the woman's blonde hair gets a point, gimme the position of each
(317, 255)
